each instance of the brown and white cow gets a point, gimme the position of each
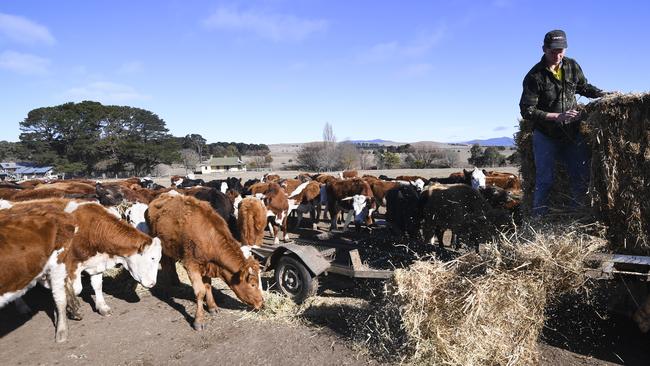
(192, 233)
(277, 205)
(251, 221)
(267, 178)
(306, 198)
(101, 242)
(507, 181)
(30, 246)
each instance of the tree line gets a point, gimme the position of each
(89, 138)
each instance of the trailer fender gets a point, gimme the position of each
(310, 256)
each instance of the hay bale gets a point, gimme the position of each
(486, 310)
(619, 131)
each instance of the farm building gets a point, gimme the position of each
(225, 164)
(11, 170)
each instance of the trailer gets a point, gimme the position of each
(299, 264)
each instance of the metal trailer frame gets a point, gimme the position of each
(310, 258)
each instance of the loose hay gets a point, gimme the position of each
(486, 310)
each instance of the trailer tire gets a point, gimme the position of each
(294, 279)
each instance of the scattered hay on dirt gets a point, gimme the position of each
(278, 308)
(479, 310)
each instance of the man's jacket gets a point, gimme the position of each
(544, 93)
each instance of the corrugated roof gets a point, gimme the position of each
(30, 170)
(227, 161)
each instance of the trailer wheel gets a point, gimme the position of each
(294, 279)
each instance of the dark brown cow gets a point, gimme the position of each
(30, 245)
(379, 189)
(356, 190)
(251, 221)
(192, 233)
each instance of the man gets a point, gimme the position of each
(548, 99)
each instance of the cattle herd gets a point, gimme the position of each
(52, 232)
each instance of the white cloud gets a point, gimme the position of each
(419, 46)
(501, 128)
(131, 67)
(105, 92)
(276, 27)
(24, 63)
(415, 70)
(23, 30)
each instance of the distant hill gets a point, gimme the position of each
(497, 141)
(376, 141)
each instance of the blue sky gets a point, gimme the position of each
(274, 71)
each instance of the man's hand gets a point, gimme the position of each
(567, 116)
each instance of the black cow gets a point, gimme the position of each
(404, 211)
(219, 202)
(462, 210)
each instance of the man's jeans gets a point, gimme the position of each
(575, 156)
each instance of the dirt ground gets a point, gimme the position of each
(145, 329)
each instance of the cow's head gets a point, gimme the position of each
(143, 266)
(476, 178)
(109, 195)
(361, 206)
(247, 285)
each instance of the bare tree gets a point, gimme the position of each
(348, 155)
(328, 133)
(328, 158)
(259, 159)
(310, 156)
(189, 158)
(365, 160)
(423, 156)
(451, 158)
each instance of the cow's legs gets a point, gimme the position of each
(199, 290)
(57, 280)
(209, 298)
(100, 302)
(332, 212)
(284, 225)
(276, 234)
(168, 267)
